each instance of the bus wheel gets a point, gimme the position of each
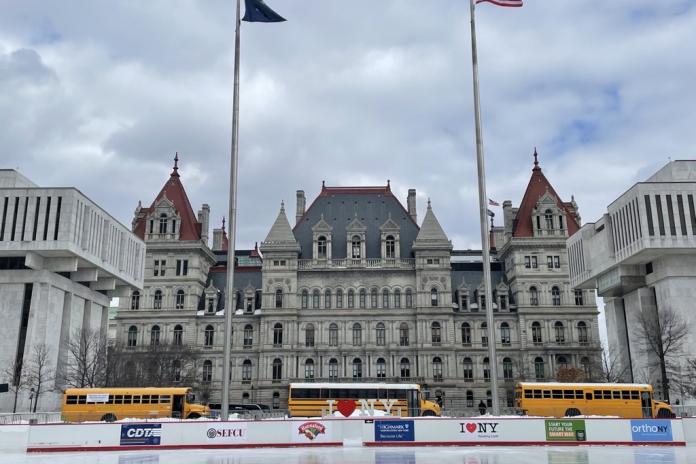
(428, 413)
(570, 412)
(194, 415)
(108, 418)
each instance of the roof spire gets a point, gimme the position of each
(175, 171)
(282, 206)
(223, 222)
(429, 203)
(536, 161)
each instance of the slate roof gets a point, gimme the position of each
(431, 232)
(372, 206)
(247, 272)
(537, 187)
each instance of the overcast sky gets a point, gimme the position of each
(100, 94)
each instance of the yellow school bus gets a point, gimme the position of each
(315, 399)
(590, 399)
(110, 404)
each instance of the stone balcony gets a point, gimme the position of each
(350, 263)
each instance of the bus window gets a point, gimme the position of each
(127, 399)
(82, 399)
(568, 394)
(118, 399)
(607, 394)
(145, 399)
(546, 393)
(164, 398)
(634, 395)
(136, 399)
(625, 395)
(557, 394)
(588, 396)
(598, 394)
(71, 399)
(578, 394)
(645, 404)
(528, 394)
(616, 394)
(537, 393)
(154, 399)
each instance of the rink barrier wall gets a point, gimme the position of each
(382, 431)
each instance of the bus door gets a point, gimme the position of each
(414, 399)
(178, 406)
(646, 404)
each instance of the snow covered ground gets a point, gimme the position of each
(439, 455)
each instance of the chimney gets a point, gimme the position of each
(204, 219)
(300, 209)
(411, 205)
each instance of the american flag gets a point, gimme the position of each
(492, 202)
(502, 2)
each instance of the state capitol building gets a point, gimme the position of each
(358, 288)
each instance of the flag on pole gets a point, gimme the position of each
(490, 213)
(258, 12)
(502, 2)
(493, 203)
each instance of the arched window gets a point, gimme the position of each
(132, 335)
(278, 334)
(157, 303)
(246, 370)
(397, 298)
(355, 247)
(484, 334)
(466, 334)
(381, 334)
(434, 300)
(405, 367)
(435, 333)
(582, 333)
(381, 368)
(469, 399)
(315, 299)
(176, 370)
(536, 333)
(507, 368)
(363, 298)
(539, 369)
(333, 369)
(556, 296)
(327, 299)
(586, 368)
(248, 336)
(163, 223)
(385, 298)
(373, 298)
(486, 370)
(275, 403)
(207, 371)
(409, 298)
(180, 299)
(245, 397)
(209, 335)
(339, 298)
(321, 247)
(305, 299)
(403, 334)
(309, 335)
(309, 369)
(390, 247)
(468, 369)
(357, 334)
(279, 298)
(559, 330)
(548, 219)
(357, 368)
(533, 296)
(562, 362)
(155, 335)
(351, 298)
(505, 334)
(135, 300)
(333, 334)
(277, 369)
(178, 335)
(437, 369)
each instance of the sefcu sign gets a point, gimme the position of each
(651, 430)
(141, 434)
(226, 433)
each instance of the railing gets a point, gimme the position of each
(350, 263)
(30, 418)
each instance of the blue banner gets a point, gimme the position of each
(394, 430)
(141, 434)
(651, 430)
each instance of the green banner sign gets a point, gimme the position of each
(565, 430)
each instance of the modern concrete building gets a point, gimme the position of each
(641, 258)
(62, 258)
(359, 289)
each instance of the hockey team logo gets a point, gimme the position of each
(311, 429)
(141, 434)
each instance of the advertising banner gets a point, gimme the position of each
(312, 431)
(141, 434)
(565, 430)
(226, 432)
(394, 430)
(651, 430)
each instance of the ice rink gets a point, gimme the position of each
(438, 455)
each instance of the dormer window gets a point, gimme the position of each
(321, 247)
(548, 219)
(355, 247)
(163, 223)
(390, 247)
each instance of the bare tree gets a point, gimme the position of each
(86, 363)
(570, 374)
(663, 336)
(156, 365)
(16, 380)
(611, 369)
(39, 373)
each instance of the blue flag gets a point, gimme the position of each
(258, 12)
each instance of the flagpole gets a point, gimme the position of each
(229, 289)
(485, 238)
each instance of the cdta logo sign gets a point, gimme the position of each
(651, 430)
(141, 434)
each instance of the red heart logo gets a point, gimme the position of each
(471, 427)
(345, 407)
